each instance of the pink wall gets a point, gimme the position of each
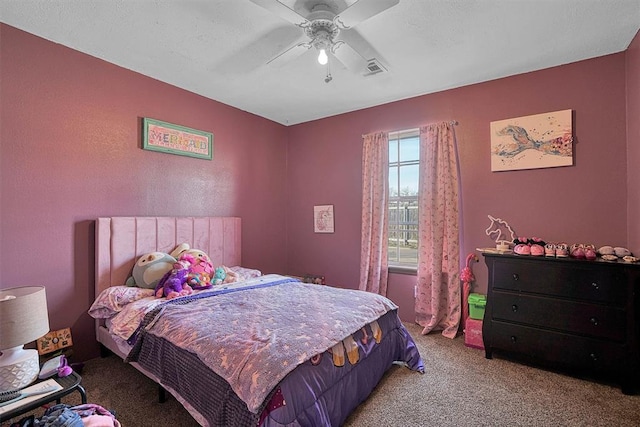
(585, 203)
(633, 143)
(70, 146)
(70, 152)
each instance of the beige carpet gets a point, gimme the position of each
(459, 388)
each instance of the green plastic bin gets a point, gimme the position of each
(477, 302)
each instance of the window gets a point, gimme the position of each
(404, 167)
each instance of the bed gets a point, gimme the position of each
(265, 351)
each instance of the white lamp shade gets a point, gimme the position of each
(23, 319)
(23, 315)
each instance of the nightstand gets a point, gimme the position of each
(70, 383)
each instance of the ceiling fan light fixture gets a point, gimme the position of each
(322, 57)
(323, 26)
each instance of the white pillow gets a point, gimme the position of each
(245, 273)
(112, 300)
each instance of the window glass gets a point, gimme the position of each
(393, 150)
(404, 169)
(393, 182)
(409, 149)
(408, 180)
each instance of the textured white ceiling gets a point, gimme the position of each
(219, 48)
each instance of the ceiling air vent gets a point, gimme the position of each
(374, 67)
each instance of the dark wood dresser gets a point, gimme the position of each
(578, 316)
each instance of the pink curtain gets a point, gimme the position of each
(438, 288)
(374, 265)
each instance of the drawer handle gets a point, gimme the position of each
(594, 321)
(514, 339)
(514, 308)
(595, 286)
(516, 277)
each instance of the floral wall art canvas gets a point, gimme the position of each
(531, 142)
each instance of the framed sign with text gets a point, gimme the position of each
(175, 139)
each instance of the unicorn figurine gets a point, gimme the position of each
(496, 232)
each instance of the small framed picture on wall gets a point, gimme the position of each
(323, 218)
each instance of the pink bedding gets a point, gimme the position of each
(322, 390)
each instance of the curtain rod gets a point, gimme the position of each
(452, 123)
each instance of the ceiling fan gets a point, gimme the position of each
(324, 28)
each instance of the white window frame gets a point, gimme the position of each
(396, 225)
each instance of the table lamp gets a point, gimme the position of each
(23, 319)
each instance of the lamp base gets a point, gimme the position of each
(18, 368)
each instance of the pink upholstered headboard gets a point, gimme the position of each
(120, 241)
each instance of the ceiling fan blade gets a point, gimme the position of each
(257, 52)
(349, 57)
(360, 11)
(282, 11)
(289, 54)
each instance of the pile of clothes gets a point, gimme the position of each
(61, 415)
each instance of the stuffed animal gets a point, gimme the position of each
(218, 276)
(201, 268)
(224, 274)
(230, 276)
(149, 269)
(174, 283)
(180, 249)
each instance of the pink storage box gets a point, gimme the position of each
(473, 334)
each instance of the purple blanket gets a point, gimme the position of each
(322, 390)
(316, 393)
(254, 337)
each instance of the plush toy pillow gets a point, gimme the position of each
(191, 271)
(201, 271)
(174, 283)
(149, 269)
(224, 274)
(219, 275)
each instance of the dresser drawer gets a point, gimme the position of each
(577, 280)
(581, 318)
(557, 348)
